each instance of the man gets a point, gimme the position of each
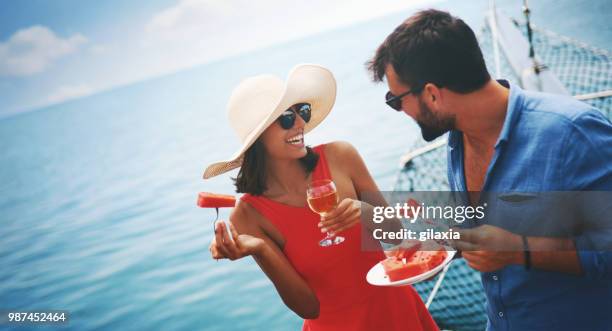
(505, 139)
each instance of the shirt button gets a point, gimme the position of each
(501, 314)
(495, 278)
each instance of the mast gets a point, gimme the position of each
(520, 54)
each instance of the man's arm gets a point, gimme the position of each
(553, 254)
(488, 248)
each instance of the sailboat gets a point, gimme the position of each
(535, 59)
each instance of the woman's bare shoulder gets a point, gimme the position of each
(247, 219)
(244, 215)
(341, 153)
(339, 149)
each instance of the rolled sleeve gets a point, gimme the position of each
(596, 265)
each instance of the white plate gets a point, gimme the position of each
(377, 276)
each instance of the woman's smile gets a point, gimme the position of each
(296, 140)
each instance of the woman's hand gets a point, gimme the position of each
(240, 245)
(345, 215)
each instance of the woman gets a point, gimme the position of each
(272, 222)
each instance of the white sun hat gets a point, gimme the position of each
(258, 101)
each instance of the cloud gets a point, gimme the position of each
(64, 93)
(189, 18)
(184, 34)
(98, 49)
(192, 32)
(32, 50)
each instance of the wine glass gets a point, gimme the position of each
(323, 198)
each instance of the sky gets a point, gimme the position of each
(54, 51)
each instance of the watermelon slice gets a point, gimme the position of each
(430, 259)
(414, 204)
(416, 264)
(398, 269)
(404, 250)
(213, 200)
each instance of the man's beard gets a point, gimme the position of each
(433, 126)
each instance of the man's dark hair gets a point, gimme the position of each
(252, 175)
(432, 47)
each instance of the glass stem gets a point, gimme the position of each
(328, 234)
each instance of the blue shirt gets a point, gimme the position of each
(547, 143)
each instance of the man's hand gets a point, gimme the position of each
(345, 215)
(489, 248)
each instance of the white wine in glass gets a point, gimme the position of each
(323, 198)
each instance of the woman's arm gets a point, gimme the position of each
(249, 239)
(348, 161)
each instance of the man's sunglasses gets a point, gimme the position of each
(395, 102)
(287, 118)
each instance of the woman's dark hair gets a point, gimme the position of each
(252, 175)
(432, 47)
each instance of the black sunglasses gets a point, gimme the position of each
(287, 118)
(395, 102)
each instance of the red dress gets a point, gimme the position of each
(337, 274)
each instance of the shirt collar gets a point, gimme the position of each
(453, 138)
(515, 102)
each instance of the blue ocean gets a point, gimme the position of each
(98, 211)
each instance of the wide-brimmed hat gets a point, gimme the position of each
(258, 101)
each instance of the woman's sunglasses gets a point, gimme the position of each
(395, 102)
(287, 118)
